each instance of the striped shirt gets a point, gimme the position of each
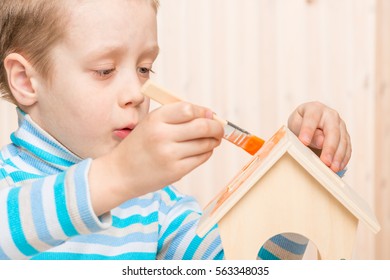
(46, 212)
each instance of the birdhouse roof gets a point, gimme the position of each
(282, 142)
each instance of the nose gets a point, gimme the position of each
(131, 93)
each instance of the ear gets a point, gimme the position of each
(19, 73)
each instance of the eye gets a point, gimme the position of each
(145, 71)
(104, 73)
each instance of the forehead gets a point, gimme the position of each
(116, 21)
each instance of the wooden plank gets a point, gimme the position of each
(382, 133)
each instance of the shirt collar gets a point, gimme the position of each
(34, 140)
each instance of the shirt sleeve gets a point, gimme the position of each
(42, 213)
(177, 236)
(178, 239)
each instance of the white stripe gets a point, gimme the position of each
(23, 166)
(178, 210)
(134, 228)
(165, 197)
(71, 203)
(3, 184)
(28, 222)
(9, 169)
(80, 248)
(188, 237)
(62, 152)
(205, 244)
(4, 152)
(136, 210)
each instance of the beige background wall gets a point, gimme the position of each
(254, 61)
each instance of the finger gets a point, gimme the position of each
(340, 153)
(317, 141)
(191, 151)
(182, 112)
(190, 163)
(331, 143)
(295, 121)
(310, 123)
(198, 128)
(348, 151)
(198, 147)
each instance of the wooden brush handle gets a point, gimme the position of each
(163, 96)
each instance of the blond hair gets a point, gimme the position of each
(31, 28)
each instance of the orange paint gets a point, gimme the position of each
(237, 181)
(252, 144)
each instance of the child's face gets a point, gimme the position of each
(94, 99)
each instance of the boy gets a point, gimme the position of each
(88, 172)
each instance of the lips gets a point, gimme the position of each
(122, 133)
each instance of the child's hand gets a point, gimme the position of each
(321, 127)
(173, 140)
(170, 142)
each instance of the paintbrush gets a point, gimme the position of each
(233, 133)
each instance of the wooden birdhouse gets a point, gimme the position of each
(286, 188)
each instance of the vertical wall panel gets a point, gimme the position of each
(382, 118)
(8, 122)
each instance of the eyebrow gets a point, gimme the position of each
(113, 49)
(106, 50)
(154, 50)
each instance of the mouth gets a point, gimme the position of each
(123, 132)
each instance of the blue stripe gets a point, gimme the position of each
(62, 211)
(153, 199)
(32, 130)
(12, 149)
(140, 202)
(15, 224)
(219, 256)
(172, 195)
(3, 174)
(115, 241)
(192, 248)
(3, 256)
(135, 219)
(19, 176)
(41, 153)
(38, 164)
(163, 207)
(154, 203)
(76, 256)
(212, 247)
(289, 245)
(10, 163)
(38, 214)
(264, 254)
(83, 205)
(176, 223)
(179, 236)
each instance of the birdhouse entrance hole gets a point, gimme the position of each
(298, 247)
